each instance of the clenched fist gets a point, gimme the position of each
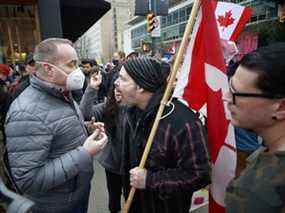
(138, 177)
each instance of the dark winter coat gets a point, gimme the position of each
(23, 84)
(178, 163)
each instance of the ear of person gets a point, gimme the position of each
(140, 89)
(280, 111)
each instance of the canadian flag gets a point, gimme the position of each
(231, 19)
(201, 84)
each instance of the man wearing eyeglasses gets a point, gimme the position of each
(256, 101)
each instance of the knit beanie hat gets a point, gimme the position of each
(149, 73)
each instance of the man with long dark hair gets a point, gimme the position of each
(112, 114)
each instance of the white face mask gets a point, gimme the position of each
(75, 80)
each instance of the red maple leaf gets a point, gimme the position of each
(226, 20)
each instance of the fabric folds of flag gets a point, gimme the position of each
(201, 84)
(231, 19)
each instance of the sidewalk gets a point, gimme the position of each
(98, 201)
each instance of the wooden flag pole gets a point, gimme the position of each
(165, 98)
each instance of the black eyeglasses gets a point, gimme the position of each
(250, 95)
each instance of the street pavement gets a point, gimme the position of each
(98, 202)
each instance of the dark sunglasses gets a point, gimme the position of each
(250, 95)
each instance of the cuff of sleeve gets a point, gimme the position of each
(148, 182)
(85, 160)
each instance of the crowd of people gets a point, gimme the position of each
(60, 113)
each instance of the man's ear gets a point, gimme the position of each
(280, 111)
(140, 89)
(49, 70)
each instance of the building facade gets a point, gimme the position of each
(24, 23)
(122, 11)
(19, 32)
(107, 35)
(173, 25)
(98, 42)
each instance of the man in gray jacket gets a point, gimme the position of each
(49, 153)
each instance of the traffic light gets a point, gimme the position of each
(150, 22)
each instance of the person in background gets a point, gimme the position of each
(90, 68)
(4, 73)
(26, 69)
(4, 106)
(87, 66)
(108, 67)
(118, 58)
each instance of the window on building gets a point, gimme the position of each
(188, 11)
(163, 21)
(253, 19)
(182, 29)
(19, 32)
(175, 17)
(261, 17)
(169, 19)
(171, 33)
(182, 15)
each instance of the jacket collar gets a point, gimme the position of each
(50, 88)
(154, 102)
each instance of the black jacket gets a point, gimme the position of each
(178, 162)
(23, 84)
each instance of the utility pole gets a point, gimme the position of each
(155, 41)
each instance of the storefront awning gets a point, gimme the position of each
(79, 15)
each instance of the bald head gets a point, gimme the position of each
(54, 50)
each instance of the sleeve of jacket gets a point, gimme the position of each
(28, 149)
(87, 103)
(192, 169)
